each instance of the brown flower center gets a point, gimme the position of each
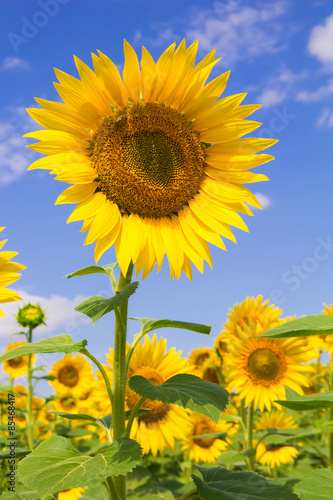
(69, 376)
(203, 428)
(17, 362)
(264, 364)
(149, 160)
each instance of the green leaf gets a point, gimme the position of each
(318, 485)
(104, 422)
(96, 307)
(317, 324)
(231, 457)
(222, 484)
(185, 390)
(96, 490)
(59, 343)
(213, 435)
(296, 402)
(108, 270)
(55, 465)
(21, 493)
(149, 324)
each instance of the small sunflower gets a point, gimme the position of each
(252, 313)
(260, 368)
(73, 376)
(30, 316)
(155, 159)
(8, 275)
(328, 339)
(206, 449)
(72, 493)
(21, 404)
(270, 455)
(206, 363)
(165, 422)
(275, 420)
(67, 404)
(16, 367)
(274, 456)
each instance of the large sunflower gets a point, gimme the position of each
(164, 422)
(8, 275)
(260, 368)
(73, 376)
(155, 158)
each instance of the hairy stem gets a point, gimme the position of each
(120, 375)
(30, 428)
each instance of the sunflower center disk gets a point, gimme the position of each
(264, 364)
(69, 376)
(16, 362)
(149, 160)
(203, 428)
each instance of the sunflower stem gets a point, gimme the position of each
(112, 489)
(103, 372)
(30, 394)
(120, 375)
(132, 417)
(330, 414)
(250, 414)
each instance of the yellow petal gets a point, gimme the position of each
(131, 73)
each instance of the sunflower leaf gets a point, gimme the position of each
(55, 465)
(222, 484)
(108, 270)
(21, 493)
(185, 390)
(317, 324)
(59, 343)
(296, 402)
(231, 457)
(95, 307)
(316, 485)
(149, 324)
(104, 422)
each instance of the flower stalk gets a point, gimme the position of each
(120, 374)
(30, 395)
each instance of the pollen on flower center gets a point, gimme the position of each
(69, 376)
(149, 160)
(264, 364)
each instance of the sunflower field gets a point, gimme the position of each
(157, 160)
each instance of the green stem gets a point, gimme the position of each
(30, 394)
(120, 375)
(250, 414)
(330, 414)
(103, 372)
(141, 334)
(112, 489)
(132, 417)
(188, 494)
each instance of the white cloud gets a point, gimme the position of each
(321, 42)
(325, 120)
(238, 31)
(60, 314)
(264, 201)
(14, 63)
(280, 86)
(14, 156)
(316, 95)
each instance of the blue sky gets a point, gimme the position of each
(281, 53)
